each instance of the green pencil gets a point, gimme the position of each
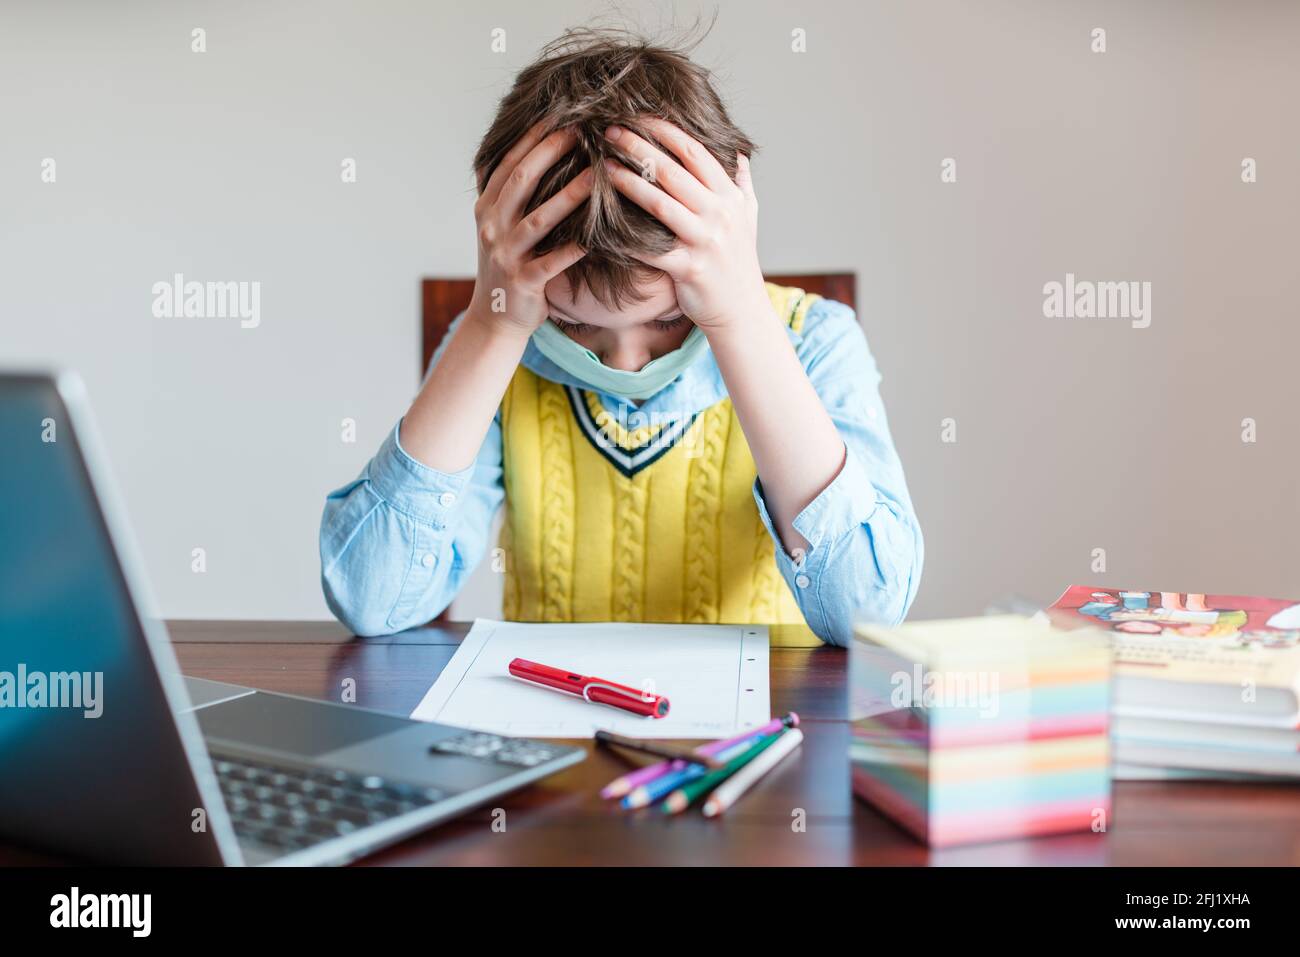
(681, 799)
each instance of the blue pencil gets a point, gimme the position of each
(652, 791)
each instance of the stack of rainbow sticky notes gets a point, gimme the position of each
(981, 729)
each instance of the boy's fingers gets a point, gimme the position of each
(520, 183)
(744, 178)
(545, 268)
(691, 152)
(657, 167)
(656, 202)
(533, 227)
(673, 263)
(508, 163)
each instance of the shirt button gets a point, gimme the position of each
(427, 560)
(802, 581)
(447, 499)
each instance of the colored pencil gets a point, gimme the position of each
(731, 790)
(661, 749)
(624, 785)
(682, 798)
(652, 791)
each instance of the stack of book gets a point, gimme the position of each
(981, 729)
(1205, 685)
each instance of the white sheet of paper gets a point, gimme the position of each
(714, 676)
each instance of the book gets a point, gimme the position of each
(1206, 757)
(1192, 657)
(1120, 771)
(1171, 731)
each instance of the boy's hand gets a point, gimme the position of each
(509, 291)
(715, 263)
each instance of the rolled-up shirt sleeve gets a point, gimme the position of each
(865, 551)
(397, 544)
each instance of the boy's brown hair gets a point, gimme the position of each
(591, 79)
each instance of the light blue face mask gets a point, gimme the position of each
(586, 366)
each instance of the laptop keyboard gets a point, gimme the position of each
(517, 752)
(289, 809)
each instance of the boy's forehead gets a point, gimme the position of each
(580, 305)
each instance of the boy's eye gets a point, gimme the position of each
(578, 328)
(572, 328)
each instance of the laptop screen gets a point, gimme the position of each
(64, 608)
(87, 740)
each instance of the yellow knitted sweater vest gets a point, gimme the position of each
(651, 521)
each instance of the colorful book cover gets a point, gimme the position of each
(1233, 641)
(1191, 636)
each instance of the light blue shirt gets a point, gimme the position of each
(398, 543)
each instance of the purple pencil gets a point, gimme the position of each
(628, 782)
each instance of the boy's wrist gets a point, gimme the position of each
(742, 320)
(494, 327)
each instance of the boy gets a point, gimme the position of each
(674, 439)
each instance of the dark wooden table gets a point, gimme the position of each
(562, 820)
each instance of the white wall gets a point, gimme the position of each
(1070, 435)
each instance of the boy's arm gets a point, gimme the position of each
(397, 544)
(848, 543)
(865, 551)
(447, 422)
(719, 284)
(807, 461)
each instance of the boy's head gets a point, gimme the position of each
(590, 80)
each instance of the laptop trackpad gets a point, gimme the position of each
(291, 725)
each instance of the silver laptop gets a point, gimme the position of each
(110, 754)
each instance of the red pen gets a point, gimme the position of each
(592, 689)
